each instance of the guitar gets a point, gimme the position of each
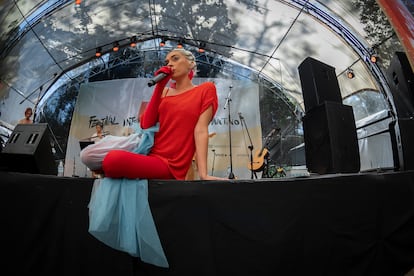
(260, 155)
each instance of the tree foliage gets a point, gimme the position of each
(380, 33)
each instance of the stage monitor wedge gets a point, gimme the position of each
(29, 150)
(319, 83)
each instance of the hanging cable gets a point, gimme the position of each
(285, 35)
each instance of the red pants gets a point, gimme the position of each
(126, 164)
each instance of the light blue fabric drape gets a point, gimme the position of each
(119, 212)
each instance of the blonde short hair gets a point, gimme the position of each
(188, 55)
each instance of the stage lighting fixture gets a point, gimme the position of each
(162, 43)
(201, 48)
(115, 47)
(180, 44)
(374, 58)
(98, 52)
(133, 41)
(350, 73)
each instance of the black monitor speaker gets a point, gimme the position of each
(401, 80)
(319, 83)
(331, 144)
(29, 150)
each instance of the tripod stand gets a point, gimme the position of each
(250, 147)
(265, 173)
(227, 104)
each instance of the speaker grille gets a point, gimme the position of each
(331, 144)
(401, 80)
(319, 83)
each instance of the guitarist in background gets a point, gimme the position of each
(259, 162)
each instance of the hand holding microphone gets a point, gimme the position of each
(157, 79)
(150, 116)
(162, 76)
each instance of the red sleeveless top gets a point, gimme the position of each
(178, 115)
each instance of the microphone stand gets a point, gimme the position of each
(214, 159)
(74, 168)
(243, 122)
(37, 102)
(55, 141)
(227, 104)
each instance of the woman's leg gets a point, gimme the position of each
(92, 157)
(126, 164)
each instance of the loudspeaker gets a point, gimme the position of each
(331, 144)
(402, 137)
(401, 80)
(319, 83)
(29, 150)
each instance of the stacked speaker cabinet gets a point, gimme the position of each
(330, 139)
(319, 83)
(402, 137)
(401, 81)
(331, 144)
(29, 150)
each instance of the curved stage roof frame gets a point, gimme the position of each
(43, 41)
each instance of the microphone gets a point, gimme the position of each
(157, 79)
(240, 116)
(228, 97)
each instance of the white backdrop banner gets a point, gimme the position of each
(117, 104)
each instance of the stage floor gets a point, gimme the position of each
(339, 224)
